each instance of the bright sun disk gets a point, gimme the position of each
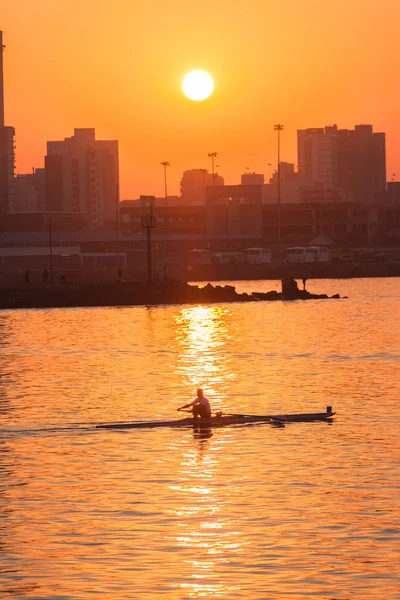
(197, 85)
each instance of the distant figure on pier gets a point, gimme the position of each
(304, 282)
(45, 276)
(201, 406)
(27, 277)
(62, 278)
(155, 276)
(119, 273)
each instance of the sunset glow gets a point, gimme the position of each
(197, 85)
(305, 64)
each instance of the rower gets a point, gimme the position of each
(201, 406)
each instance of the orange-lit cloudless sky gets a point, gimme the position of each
(118, 66)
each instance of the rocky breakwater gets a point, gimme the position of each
(116, 294)
(291, 291)
(141, 294)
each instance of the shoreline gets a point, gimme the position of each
(138, 294)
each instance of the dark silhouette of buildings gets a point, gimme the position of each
(252, 179)
(352, 159)
(7, 134)
(27, 192)
(194, 183)
(362, 162)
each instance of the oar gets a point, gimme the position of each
(185, 406)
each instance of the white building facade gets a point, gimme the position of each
(318, 155)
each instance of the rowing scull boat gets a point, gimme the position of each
(224, 420)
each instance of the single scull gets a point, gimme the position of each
(222, 420)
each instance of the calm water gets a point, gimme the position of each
(306, 511)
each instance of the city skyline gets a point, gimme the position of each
(98, 83)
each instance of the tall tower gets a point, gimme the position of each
(1, 81)
(7, 157)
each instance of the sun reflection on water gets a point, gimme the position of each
(202, 527)
(202, 335)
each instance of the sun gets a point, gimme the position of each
(197, 85)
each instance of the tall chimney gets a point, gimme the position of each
(1, 81)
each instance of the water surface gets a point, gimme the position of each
(309, 510)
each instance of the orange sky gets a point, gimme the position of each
(117, 66)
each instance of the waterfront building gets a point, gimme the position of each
(362, 162)
(393, 192)
(82, 176)
(252, 179)
(27, 192)
(234, 194)
(353, 159)
(317, 155)
(286, 173)
(223, 228)
(290, 186)
(158, 201)
(170, 220)
(194, 183)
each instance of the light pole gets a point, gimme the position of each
(165, 164)
(213, 155)
(149, 223)
(279, 128)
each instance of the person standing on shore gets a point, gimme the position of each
(201, 406)
(304, 283)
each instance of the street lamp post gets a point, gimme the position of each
(279, 128)
(149, 223)
(165, 164)
(213, 155)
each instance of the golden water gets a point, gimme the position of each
(309, 510)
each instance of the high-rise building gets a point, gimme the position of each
(362, 162)
(317, 155)
(82, 175)
(353, 159)
(194, 183)
(7, 155)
